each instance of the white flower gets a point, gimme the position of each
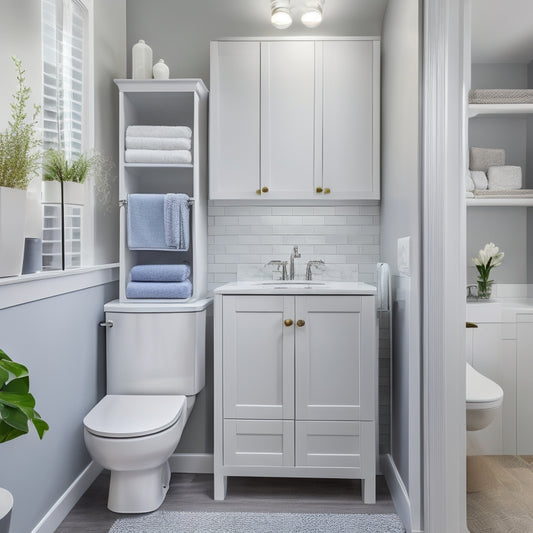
(490, 251)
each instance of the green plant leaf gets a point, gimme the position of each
(24, 402)
(18, 386)
(16, 369)
(8, 433)
(4, 376)
(14, 418)
(41, 426)
(3, 355)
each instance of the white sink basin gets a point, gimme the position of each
(286, 284)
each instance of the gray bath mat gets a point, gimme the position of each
(187, 522)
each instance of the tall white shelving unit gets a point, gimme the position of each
(176, 102)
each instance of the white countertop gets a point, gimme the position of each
(297, 287)
(498, 309)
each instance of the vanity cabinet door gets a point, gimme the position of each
(258, 357)
(335, 358)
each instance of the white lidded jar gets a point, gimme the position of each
(161, 70)
(141, 61)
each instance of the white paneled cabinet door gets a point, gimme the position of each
(335, 343)
(350, 119)
(287, 119)
(258, 348)
(524, 389)
(235, 120)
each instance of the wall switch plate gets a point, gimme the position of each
(404, 255)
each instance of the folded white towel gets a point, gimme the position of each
(158, 156)
(158, 143)
(480, 180)
(159, 131)
(483, 158)
(503, 178)
(469, 182)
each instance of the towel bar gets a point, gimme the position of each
(123, 203)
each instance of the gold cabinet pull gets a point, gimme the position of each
(300, 323)
(258, 191)
(471, 325)
(327, 190)
(319, 189)
(264, 189)
(288, 322)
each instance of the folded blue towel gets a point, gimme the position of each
(166, 273)
(141, 289)
(177, 221)
(146, 227)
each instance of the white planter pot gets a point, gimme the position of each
(6, 505)
(74, 193)
(12, 219)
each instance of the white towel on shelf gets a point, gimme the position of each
(159, 131)
(504, 178)
(158, 156)
(469, 182)
(480, 180)
(483, 158)
(158, 143)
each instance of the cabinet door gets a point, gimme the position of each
(524, 390)
(350, 119)
(258, 357)
(335, 358)
(287, 118)
(235, 120)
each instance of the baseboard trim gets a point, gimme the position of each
(191, 463)
(57, 513)
(398, 491)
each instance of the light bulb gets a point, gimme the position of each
(312, 17)
(281, 18)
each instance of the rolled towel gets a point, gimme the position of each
(159, 131)
(483, 158)
(469, 182)
(176, 218)
(141, 289)
(158, 156)
(480, 180)
(160, 273)
(504, 178)
(158, 143)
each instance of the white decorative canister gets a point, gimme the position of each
(161, 70)
(141, 55)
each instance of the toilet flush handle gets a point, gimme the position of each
(106, 324)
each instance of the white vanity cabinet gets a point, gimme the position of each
(295, 387)
(294, 119)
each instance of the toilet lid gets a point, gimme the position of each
(122, 416)
(480, 389)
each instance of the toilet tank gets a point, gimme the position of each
(155, 352)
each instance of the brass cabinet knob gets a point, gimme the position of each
(327, 190)
(258, 191)
(288, 322)
(319, 189)
(264, 189)
(300, 323)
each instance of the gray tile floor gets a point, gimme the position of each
(194, 492)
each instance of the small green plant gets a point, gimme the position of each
(16, 402)
(19, 143)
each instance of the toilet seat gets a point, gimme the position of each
(126, 416)
(481, 392)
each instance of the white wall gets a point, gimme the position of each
(401, 217)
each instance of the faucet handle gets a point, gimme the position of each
(310, 264)
(282, 265)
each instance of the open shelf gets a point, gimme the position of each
(476, 110)
(501, 202)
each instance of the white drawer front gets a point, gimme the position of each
(335, 444)
(258, 442)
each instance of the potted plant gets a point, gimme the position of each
(19, 162)
(17, 408)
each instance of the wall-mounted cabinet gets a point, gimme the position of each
(166, 103)
(295, 119)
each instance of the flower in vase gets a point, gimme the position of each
(487, 258)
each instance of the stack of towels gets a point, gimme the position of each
(489, 173)
(158, 144)
(160, 281)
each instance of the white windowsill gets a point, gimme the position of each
(27, 288)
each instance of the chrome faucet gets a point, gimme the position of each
(295, 254)
(282, 265)
(310, 264)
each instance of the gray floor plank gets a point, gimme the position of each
(194, 492)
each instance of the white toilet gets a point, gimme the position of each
(155, 367)
(483, 399)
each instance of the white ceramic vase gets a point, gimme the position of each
(6, 505)
(141, 64)
(73, 193)
(161, 70)
(12, 221)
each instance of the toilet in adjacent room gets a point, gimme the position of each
(483, 399)
(155, 368)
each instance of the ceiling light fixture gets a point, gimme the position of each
(281, 17)
(312, 15)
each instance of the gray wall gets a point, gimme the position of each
(59, 340)
(401, 217)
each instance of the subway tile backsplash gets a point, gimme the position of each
(243, 238)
